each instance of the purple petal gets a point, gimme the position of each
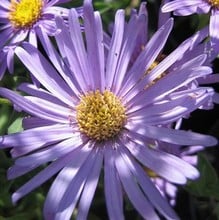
(213, 28)
(95, 49)
(10, 60)
(72, 49)
(133, 191)
(52, 108)
(178, 4)
(5, 4)
(50, 153)
(148, 187)
(160, 163)
(48, 172)
(126, 51)
(173, 136)
(90, 187)
(33, 122)
(63, 180)
(115, 48)
(75, 188)
(146, 58)
(173, 109)
(44, 72)
(58, 63)
(19, 36)
(16, 171)
(37, 137)
(31, 107)
(166, 85)
(41, 93)
(112, 186)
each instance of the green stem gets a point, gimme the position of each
(5, 102)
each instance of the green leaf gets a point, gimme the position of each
(208, 183)
(15, 126)
(5, 112)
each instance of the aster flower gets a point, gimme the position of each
(184, 8)
(189, 154)
(166, 188)
(198, 45)
(94, 111)
(20, 19)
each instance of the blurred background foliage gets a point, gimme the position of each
(198, 200)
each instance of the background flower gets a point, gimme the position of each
(184, 8)
(20, 20)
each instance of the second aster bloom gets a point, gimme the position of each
(199, 45)
(94, 111)
(198, 6)
(19, 20)
(188, 154)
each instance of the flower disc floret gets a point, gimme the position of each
(214, 3)
(100, 115)
(25, 13)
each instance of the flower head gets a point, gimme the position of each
(199, 45)
(187, 153)
(94, 110)
(24, 15)
(184, 8)
(20, 20)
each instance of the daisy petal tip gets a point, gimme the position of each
(169, 23)
(9, 174)
(194, 174)
(197, 175)
(180, 180)
(164, 9)
(15, 197)
(212, 141)
(88, 3)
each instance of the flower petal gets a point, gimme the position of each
(112, 186)
(159, 162)
(75, 188)
(44, 72)
(76, 159)
(90, 187)
(49, 171)
(133, 191)
(148, 186)
(177, 4)
(179, 137)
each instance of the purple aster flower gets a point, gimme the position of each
(20, 19)
(94, 111)
(189, 154)
(184, 8)
(198, 45)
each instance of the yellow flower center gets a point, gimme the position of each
(153, 65)
(24, 13)
(150, 172)
(100, 115)
(214, 3)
